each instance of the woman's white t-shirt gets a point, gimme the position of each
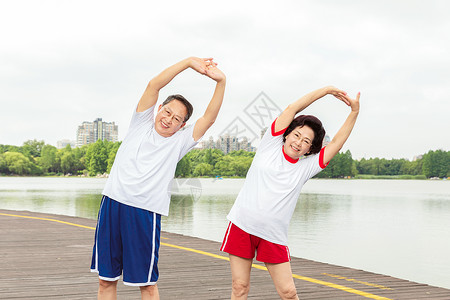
(266, 202)
(145, 164)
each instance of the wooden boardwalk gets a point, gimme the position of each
(48, 257)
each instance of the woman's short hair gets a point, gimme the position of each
(183, 100)
(312, 122)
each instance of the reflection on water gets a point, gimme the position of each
(70, 204)
(67, 196)
(398, 228)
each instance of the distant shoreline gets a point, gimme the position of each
(358, 177)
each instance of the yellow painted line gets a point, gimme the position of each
(209, 254)
(304, 278)
(196, 251)
(46, 219)
(358, 281)
(340, 287)
(57, 221)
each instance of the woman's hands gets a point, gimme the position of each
(342, 95)
(344, 132)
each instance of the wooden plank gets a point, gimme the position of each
(45, 259)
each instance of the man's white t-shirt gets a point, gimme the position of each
(145, 164)
(266, 202)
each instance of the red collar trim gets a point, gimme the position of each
(288, 158)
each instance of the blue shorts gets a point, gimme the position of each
(126, 241)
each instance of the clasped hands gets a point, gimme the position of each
(208, 67)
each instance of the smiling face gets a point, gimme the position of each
(170, 118)
(298, 141)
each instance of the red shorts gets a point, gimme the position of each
(240, 243)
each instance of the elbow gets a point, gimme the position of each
(152, 86)
(338, 146)
(291, 107)
(211, 122)
(209, 119)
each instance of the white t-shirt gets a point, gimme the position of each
(267, 200)
(145, 164)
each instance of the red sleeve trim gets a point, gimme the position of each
(273, 129)
(321, 164)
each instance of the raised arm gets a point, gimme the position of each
(344, 132)
(294, 108)
(151, 93)
(211, 112)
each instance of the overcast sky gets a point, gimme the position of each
(65, 62)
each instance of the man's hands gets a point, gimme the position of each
(215, 74)
(199, 64)
(206, 66)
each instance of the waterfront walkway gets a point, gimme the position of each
(46, 256)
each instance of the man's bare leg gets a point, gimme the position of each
(149, 292)
(107, 290)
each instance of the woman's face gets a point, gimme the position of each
(299, 141)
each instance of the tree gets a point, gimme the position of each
(223, 166)
(208, 158)
(354, 169)
(96, 159)
(394, 166)
(212, 156)
(183, 167)
(80, 153)
(32, 148)
(195, 156)
(412, 167)
(235, 165)
(48, 160)
(436, 164)
(363, 166)
(17, 163)
(203, 169)
(9, 148)
(68, 162)
(3, 166)
(242, 153)
(112, 156)
(341, 165)
(241, 164)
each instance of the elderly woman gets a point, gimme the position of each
(289, 154)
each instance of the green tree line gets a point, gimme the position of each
(213, 162)
(37, 158)
(432, 164)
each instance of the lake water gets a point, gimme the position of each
(393, 227)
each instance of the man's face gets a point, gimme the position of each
(170, 118)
